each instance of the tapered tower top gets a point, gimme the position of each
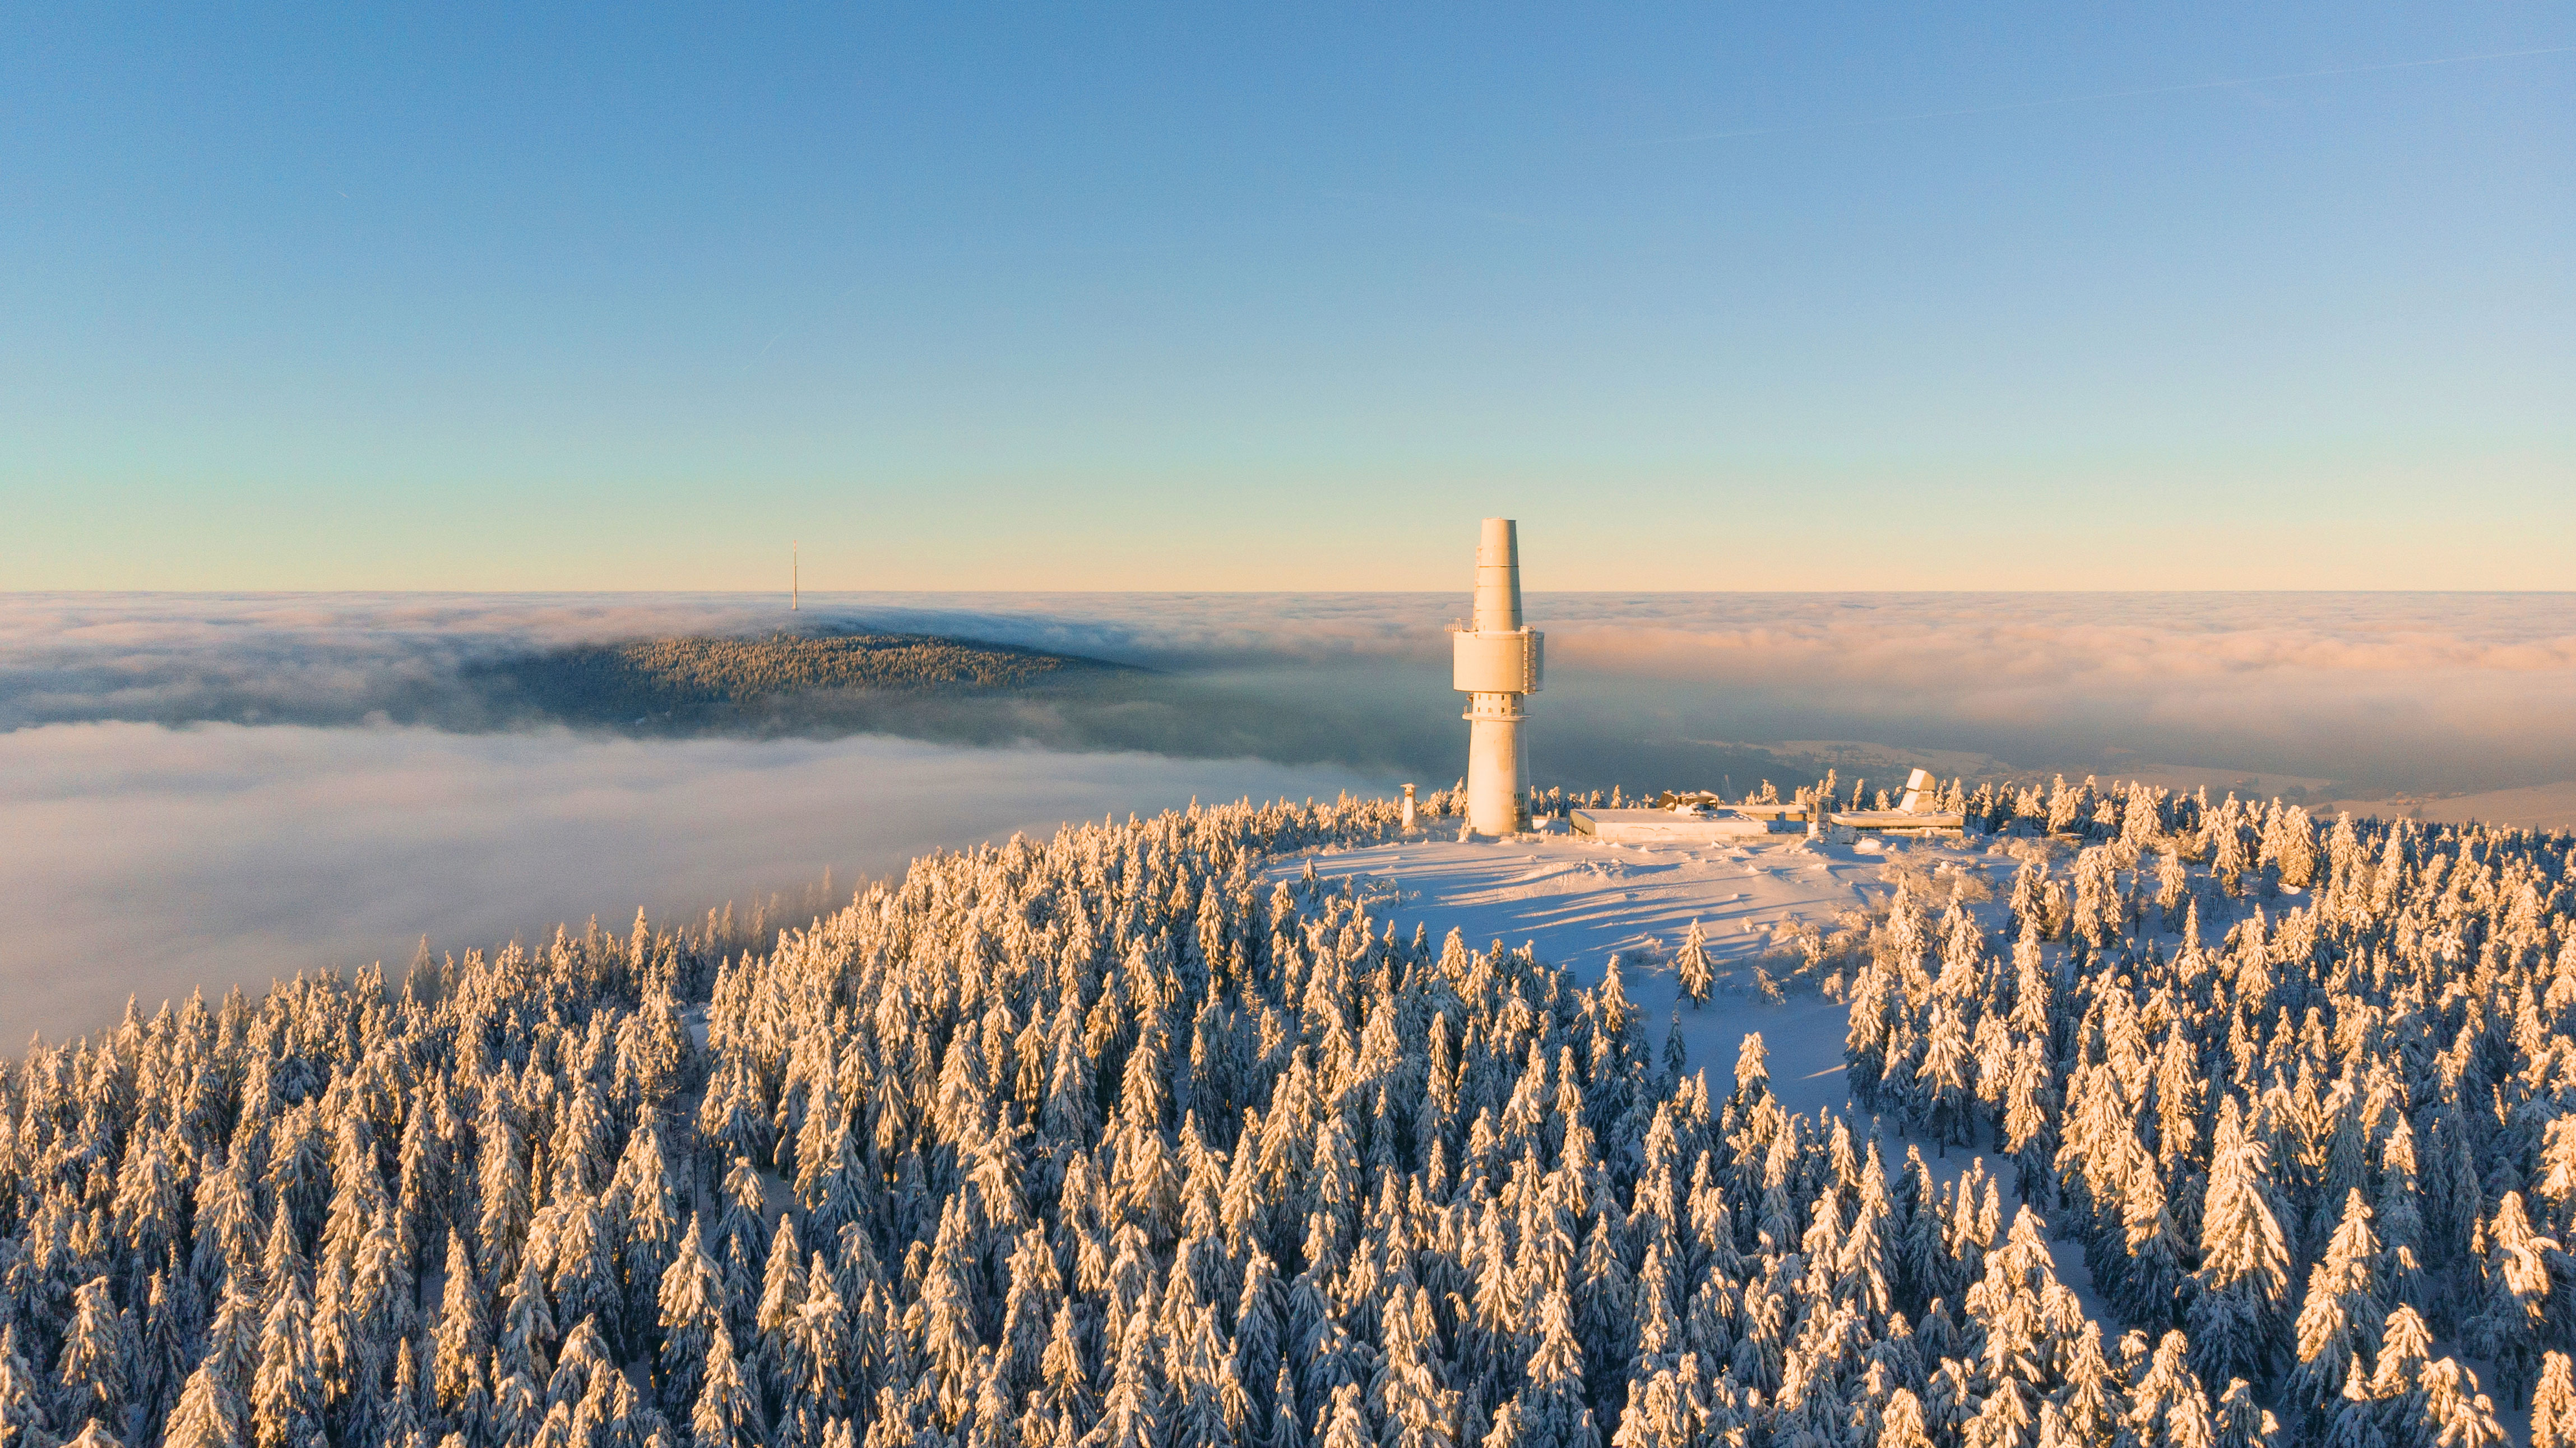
(1498, 577)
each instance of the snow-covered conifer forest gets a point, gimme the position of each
(1103, 1141)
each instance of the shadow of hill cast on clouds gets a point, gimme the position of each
(1139, 1135)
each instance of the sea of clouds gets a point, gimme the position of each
(2451, 692)
(201, 788)
(148, 860)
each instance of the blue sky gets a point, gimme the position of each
(1710, 297)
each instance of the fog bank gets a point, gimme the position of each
(147, 860)
(2373, 692)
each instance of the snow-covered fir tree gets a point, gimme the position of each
(1109, 1140)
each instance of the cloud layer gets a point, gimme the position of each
(2414, 691)
(147, 859)
(388, 800)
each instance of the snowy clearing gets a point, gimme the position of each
(1578, 901)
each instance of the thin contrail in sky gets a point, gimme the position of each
(2156, 90)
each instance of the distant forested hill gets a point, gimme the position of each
(703, 680)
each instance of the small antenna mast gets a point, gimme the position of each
(794, 581)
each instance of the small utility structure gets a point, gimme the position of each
(1697, 817)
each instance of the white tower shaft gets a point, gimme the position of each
(1496, 662)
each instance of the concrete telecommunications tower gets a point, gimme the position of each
(1496, 661)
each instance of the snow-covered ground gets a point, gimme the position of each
(2538, 806)
(1578, 901)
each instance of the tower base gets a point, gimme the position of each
(1495, 804)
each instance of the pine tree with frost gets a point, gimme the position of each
(2228, 860)
(2519, 1267)
(334, 1339)
(1691, 966)
(2242, 1422)
(2456, 1414)
(95, 1351)
(1207, 1410)
(286, 1395)
(2235, 1322)
(165, 1354)
(2178, 1096)
(22, 1410)
(1412, 1403)
(648, 1225)
(527, 1325)
(1553, 1407)
(1943, 1081)
(1752, 1072)
(403, 1420)
(2167, 1405)
(1873, 1005)
(585, 1353)
(463, 1338)
(2091, 1402)
(782, 1293)
(2028, 1124)
(1901, 1422)
(421, 1201)
(724, 1413)
(2173, 886)
(207, 1416)
(2397, 1380)
(1606, 1322)
(690, 1303)
(1287, 1428)
(820, 1342)
(2007, 1418)
(584, 1281)
(382, 1292)
(298, 1170)
(1655, 1417)
(1259, 1335)
(232, 1348)
(2337, 1328)
(2400, 1219)
(502, 1178)
(739, 1221)
(2553, 1404)
(2460, 1203)
(949, 1341)
(1131, 1412)
(1344, 1425)
(227, 1228)
(1066, 1372)
(1658, 1327)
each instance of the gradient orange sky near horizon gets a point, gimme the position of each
(2002, 296)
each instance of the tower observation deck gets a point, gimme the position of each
(1496, 663)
